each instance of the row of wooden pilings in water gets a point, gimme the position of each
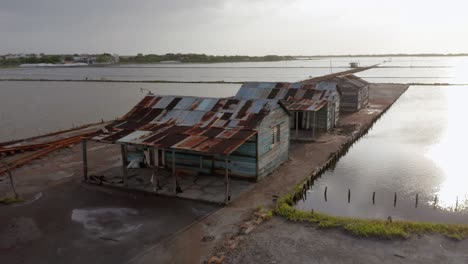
(334, 158)
(395, 199)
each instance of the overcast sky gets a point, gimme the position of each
(251, 27)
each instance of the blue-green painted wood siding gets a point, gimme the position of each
(241, 163)
(272, 156)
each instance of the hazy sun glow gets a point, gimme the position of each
(449, 153)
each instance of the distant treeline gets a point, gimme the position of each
(198, 58)
(385, 55)
(28, 60)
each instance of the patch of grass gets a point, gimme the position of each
(10, 200)
(369, 228)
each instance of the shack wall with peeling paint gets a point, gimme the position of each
(271, 156)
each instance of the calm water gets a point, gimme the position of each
(253, 71)
(417, 147)
(427, 70)
(32, 108)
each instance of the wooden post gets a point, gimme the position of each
(417, 200)
(123, 150)
(174, 171)
(349, 195)
(325, 193)
(227, 195)
(373, 198)
(394, 200)
(313, 130)
(297, 124)
(85, 160)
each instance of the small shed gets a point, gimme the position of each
(354, 92)
(314, 107)
(227, 137)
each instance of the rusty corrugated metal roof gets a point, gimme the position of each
(295, 96)
(200, 124)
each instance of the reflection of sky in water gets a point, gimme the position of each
(449, 152)
(450, 70)
(416, 148)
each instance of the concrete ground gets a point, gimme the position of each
(201, 188)
(279, 241)
(78, 223)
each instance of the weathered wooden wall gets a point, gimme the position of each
(271, 156)
(354, 100)
(242, 162)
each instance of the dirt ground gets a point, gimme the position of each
(208, 236)
(279, 241)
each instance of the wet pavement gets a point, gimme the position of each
(76, 223)
(208, 188)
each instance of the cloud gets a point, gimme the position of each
(232, 26)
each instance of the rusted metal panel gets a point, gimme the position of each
(207, 104)
(185, 103)
(130, 125)
(190, 142)
(170, 140)
(173, 103)
(116, 136)
(153, 114)
(163, 102)
(227, 133)
(243, 134)
(208, 125)
(212, 132)
(243, 110)
(207, 145)
(134, 137)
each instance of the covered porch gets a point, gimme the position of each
(160, 171)
(304, 125)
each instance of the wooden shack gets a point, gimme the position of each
(226, 137)
(314, 107)
(354, 92)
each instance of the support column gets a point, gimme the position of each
(174, 171)
(227, 195)
(315, 124)
(123, 150)
(297, 123)
(85, 160)
(154, 167)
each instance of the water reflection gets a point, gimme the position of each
(415, 149)
(449, 152)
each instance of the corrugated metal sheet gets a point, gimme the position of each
(198, 124)
(298, 96)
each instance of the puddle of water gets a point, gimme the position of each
(106, 222)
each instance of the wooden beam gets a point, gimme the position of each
(123, 150)
(85, 160)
